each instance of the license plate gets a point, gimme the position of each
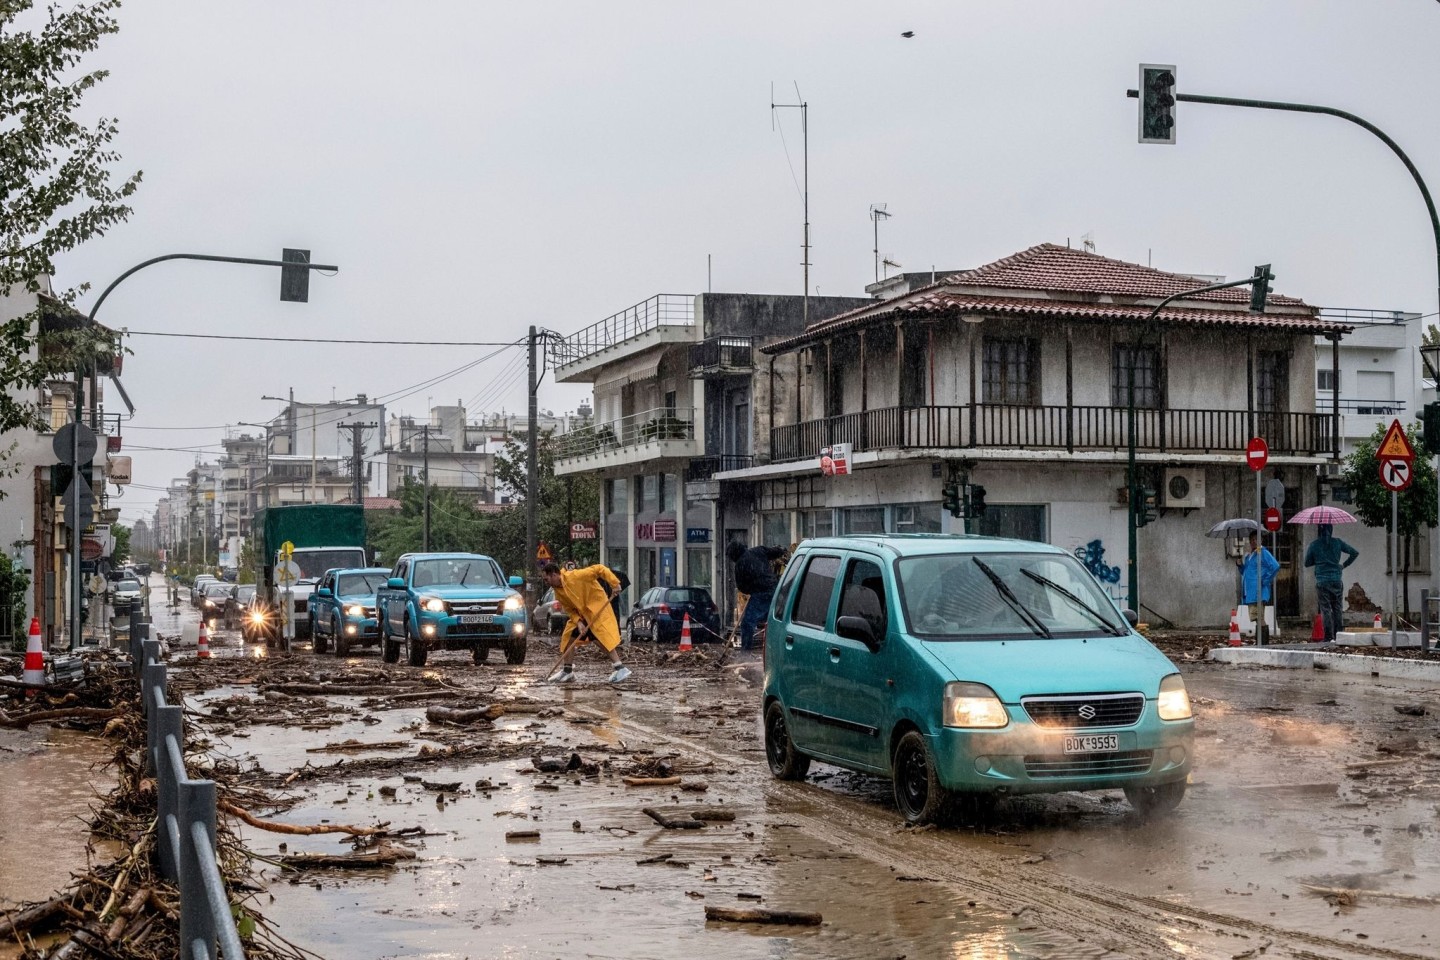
(478, 618)
(1100, 743)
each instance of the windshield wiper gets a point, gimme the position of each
(1099, 617)
(464, 573)
(1031, 621)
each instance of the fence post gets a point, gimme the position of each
(197, 806)
(169, 722)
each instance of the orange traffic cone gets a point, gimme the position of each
(202, 645)
(1234, 629)
(1379, 623)
(34, 657)
(685, 634)
(1317, 632)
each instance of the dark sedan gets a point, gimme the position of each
(659, 615)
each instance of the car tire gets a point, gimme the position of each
(342, 642)
(415, 652)
(1156, 801)
(918, 792)
(318, 643)
(786, 762)
(515, 651)
(479, 654)
(630, 633)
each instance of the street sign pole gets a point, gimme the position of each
(1394, 561)
(75, 481)
(1257, 454)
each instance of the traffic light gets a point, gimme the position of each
(1147, 504)
(1157, 103)
(1260, 288)
(950, 497)
(1430, 425)
(977, 500)
(295, 281)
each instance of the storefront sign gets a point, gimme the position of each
(119, 470)
(835, 460)
(91, 549)
(665, 531)
(584, 531)
(697, 534)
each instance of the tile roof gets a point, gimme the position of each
(1068, 283)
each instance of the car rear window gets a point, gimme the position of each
(688, 595)
(813, 603)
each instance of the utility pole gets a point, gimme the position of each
(532, 478)
(425, 475)
(357, 459)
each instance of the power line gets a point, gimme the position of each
(367, 343)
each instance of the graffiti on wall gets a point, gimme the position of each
(1092, 556)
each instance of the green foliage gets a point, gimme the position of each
(120, 553)
(55, 181)
(1372, 499)
(248, 562)
(562, 501)
(1430, 336)
(13, 586)
(455, 524)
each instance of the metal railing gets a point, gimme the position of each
(703, 468)
(661, 310)
(1364, 316)
(722, 354)
(663, 423)
(185, 814)
(1055, 427)
(1362, 407)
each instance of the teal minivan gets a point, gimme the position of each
(968, 667)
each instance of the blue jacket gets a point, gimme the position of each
(1267, 565)
(1325, 553)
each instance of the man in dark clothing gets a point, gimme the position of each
(755, 576)
(1324, 555)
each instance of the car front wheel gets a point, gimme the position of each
(342, 642)
(918, 791)
(415, 652)
(786, 762)
(318, 643)
(1158, 800)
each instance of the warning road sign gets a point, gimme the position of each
(542, 553)
(1395, 473)
(1395, 446)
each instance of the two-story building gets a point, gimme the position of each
(1018, 372)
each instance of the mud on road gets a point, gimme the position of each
(520, 837)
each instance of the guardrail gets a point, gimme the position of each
(1429, 619)
(185, 813)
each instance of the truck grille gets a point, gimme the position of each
(1045, 765)
(475, 629)
(301, 606)
(1075, 711)
(462, 607)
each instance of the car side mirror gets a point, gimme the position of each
(517, 582)
(395, 583)
(323, 592)
(857, 629)
(1131, 617)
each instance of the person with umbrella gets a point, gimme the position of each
(1257, 575)
(1324, 554)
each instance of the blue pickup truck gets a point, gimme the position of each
(342, 609)
(450, 601)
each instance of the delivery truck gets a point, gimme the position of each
(298, 544)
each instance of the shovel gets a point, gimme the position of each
(579, 636)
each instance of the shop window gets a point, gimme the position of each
(648, 493)
(1017, 521)
(1010, 370)
(817, 523)
(917, 518)
(697, 568)
(775, 529)
(863, 520)
(617, 497)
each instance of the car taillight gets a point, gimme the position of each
(663, 608)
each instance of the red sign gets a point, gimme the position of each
(1257, 454)
(584, 531)
(1272, 519)
(665, 530)
(91, 549)
(1395, 446)
(1395, 473)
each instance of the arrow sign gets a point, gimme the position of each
(1257, 453)
(1395, 473)
(1395, 446)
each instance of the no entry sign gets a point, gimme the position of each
(1257, 453)
(1272, 519)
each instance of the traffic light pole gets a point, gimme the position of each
(1132, 485)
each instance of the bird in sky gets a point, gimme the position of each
(908, 34)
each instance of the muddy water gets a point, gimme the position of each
(48, 784)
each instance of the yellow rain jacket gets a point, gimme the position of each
(585, 595)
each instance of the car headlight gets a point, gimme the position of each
(433, 604)
(1173, 702)
(513, 603)
(973, 706)
(354, 610)
(257, 617)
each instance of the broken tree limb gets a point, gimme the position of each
(353, 746)
(291, 828)
(337, 690)
(459, 715)
(651, 781)
(1301, 789)
(714, 814)
(24, 720)
(25, 919)
(386, 855)
(670, 824)
(761, 915)
(1381, 894)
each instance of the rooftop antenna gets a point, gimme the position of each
(1089, 242)
(878, 213)
(804, 109)
(887, 263)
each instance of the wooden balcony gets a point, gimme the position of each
(1056, 428)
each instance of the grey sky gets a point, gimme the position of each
(478, 167)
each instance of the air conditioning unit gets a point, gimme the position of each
(1332, 470)
(1184, 489)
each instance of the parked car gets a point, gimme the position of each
(197, 589)
(968, 668)
(236, 603)
(213, 600)
(342, 609)
(258, 622)
(450, 601)
(547, 614)
(125, 594)
(659, 615)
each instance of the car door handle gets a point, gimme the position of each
(789, 642)
(834, 654)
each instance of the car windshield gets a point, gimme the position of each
(244, 593)
(965, 596)
(688, 595)
(314, 563)
(128, 586)
(217, 589)
(360, 584)
(455, 572)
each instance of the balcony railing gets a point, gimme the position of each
(661, 310)
(722, 355)
(1056, 428)
(651, 425)
(1374, 408)
(703, 468)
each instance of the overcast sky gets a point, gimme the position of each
(475, 168)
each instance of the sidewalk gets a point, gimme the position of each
(1326, 656)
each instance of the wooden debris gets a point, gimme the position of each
(660, 858)
(355, 746)
(670, 824)
(762, 915)
(31, 916)
(1349, 896)
(385, 855)
(1300, 789)
(516, 836)
(291, 828)
(335, 689)
(460, 715)
(23, 720)
(713, 814)
(652, 781)
(441, 787)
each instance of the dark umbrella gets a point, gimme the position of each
(1236, 526)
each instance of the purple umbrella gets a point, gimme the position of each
(1323, 515)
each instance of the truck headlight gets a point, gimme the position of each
(513, 603)
(973, 706)
(354, 610)
(432, 604)
(1173, 702)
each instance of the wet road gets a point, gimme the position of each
(1271, 810)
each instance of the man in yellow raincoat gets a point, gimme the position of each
(585, 595)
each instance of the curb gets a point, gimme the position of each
(1299, 659)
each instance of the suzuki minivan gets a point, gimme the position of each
(968, 667)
